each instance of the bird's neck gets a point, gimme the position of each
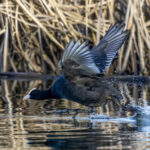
(47, 94)
(44, 94)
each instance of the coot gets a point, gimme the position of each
(81, 67)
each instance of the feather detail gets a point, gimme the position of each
(95, 61)
(107, 48)
(80, 54)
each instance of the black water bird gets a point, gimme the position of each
(80, 69)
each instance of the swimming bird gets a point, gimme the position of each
(81, 67)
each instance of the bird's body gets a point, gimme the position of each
(80, 69)
(85, 90)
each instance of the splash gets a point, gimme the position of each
(104, 118)
(146, 108)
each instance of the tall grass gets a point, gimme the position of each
(33, 33)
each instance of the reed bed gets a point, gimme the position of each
(33, 33)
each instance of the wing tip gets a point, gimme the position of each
(116, 33)
(117, 27)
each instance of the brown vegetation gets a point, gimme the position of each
(34, 33)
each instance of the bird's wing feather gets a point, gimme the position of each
(80, 54)
(107, 48)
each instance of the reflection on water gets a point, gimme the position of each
(49, 124)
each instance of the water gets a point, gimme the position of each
(49, 124)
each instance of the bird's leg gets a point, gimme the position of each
(76, 113)
(92, 110)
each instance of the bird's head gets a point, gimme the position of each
(36, 94)
(32, 94)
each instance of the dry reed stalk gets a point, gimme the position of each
(5, 51)
(41, 51)
(25, 9)
(59, 21)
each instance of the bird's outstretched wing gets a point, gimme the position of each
(77, 60)
(107, 48)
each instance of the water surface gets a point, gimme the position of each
(49, 124)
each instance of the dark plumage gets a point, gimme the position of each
(80, 69)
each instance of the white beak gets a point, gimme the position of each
(26, 97)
